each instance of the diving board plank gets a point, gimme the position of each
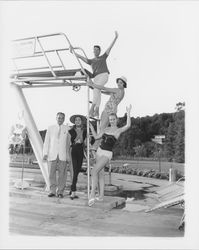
(60, 73)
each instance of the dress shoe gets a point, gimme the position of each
(51, 195)
(70, 193)
(60, 196)
(74, 197)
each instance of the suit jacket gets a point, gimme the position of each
(55, 145)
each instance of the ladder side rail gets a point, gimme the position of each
(88, 144)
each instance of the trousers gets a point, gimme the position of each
(60, 184)
(100, 79)
(77, 155)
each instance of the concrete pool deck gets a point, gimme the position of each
(33, 213)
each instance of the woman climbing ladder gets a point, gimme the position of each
(100, 73)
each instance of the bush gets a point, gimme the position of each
(163, 176)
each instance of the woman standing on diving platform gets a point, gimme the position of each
(100, 73)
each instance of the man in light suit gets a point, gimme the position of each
(56, 150)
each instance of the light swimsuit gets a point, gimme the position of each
(114, 100)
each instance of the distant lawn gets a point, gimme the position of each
(135, 164)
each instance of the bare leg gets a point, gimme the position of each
(101, 162)
(96, 112)
(100, 80)
(101, 184)
(91, 112)
(70, 167)
(104, 121)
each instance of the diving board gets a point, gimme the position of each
(47, 61)
(34, 61)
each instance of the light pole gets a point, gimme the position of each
(158, 141)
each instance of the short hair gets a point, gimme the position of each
(113, 114)
(98, 47)
(61, 113)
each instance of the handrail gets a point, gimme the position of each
(45, 67)
(39, 53)
(43, 52)
(82, 68)
(33, 37)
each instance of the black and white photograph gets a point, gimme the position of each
(99, 124)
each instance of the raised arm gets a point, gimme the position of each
(105, 90)
(113, 42)
(128, 122)
(84, 59)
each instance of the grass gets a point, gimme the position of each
(162, 166)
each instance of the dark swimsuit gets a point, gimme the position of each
(108, 142)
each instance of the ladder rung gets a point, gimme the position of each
(93, 118)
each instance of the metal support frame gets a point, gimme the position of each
(18, 83)
(34, 136)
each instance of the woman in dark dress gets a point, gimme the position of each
(78, 136)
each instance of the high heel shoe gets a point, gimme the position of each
(91, 202)
(99, 198)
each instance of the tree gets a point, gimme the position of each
(179, 144)
(169, 141)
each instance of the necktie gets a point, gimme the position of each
(59, 132)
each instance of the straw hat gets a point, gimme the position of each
(73, 117)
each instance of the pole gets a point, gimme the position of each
(109, 173)
(22, 165)
(159, 159)
(88, 143)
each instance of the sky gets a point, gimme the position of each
(154, 51)
(157, 51)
